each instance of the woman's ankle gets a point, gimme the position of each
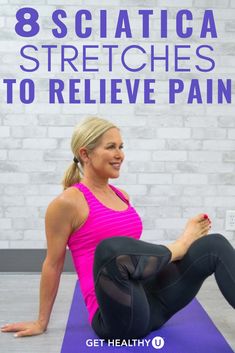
(178, 249)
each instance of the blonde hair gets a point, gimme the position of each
(87, 135)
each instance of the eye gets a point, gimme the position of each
(113, 146)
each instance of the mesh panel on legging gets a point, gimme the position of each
(121, 295)
(125, 267)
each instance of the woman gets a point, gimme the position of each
(130, 287)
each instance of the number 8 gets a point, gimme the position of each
(31, 21)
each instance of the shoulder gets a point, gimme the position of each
(60, 218)
(64, 204)
(67, 211)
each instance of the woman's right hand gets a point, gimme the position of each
(23, 329)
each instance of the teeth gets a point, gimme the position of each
(117, 165)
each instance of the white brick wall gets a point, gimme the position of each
(179, 158)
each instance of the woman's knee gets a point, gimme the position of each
(114, 246)
(217, 236)
(107, 250)
(214, 242)
(217, 239)
(107, 246)
(221, 243)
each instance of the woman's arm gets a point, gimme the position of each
(59, 225)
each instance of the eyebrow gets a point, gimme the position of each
(114, 143)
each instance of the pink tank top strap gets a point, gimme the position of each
(90, 197)
(87, 193)
(120, 194)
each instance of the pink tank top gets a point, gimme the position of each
(102, 223)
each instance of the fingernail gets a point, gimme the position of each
(205, 216)
(15, 335)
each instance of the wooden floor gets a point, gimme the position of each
(19, 302)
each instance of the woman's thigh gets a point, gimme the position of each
(120, 267)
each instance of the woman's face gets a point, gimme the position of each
(106, 159)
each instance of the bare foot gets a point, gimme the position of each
(196, 228)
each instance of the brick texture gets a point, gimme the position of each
(179, 158)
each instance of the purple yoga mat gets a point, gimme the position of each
(189, 331)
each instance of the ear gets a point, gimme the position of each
(84, 155)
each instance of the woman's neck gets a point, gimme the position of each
(96, 185)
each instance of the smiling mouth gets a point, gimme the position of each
(116, 165)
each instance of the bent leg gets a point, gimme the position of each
(121, 266)
(179, 282)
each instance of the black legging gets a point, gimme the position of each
(138, 289)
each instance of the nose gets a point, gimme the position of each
(119, 153)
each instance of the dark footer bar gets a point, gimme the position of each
(28, 260)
